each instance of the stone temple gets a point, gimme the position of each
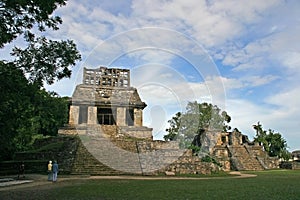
(106, 98)
(106, 113)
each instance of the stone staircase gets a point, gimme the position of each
(242, 159)
(86, 163)
(98, 144)
(104, 152)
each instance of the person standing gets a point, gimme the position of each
(54, 171)
(50, 171)
(21, 170)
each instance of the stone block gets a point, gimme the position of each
(169, 173)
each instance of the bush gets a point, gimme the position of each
(209, 159)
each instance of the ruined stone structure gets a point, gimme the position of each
(105, 135)
(296, 155)
(106, 113)
(106, 98)
(236, 152)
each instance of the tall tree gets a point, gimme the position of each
(174, 127)
(25, 107)
(273, 143)
(261, 136)
(50, 112)
(15, 106)
(184, 126)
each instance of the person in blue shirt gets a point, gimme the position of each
(54, 171)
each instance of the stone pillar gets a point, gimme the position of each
(92, 115)
(241, 139)
(138, 117)
(73, 115)
(121, 116)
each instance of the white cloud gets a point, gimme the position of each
(257, 39)
(283, 120)
(255, 81)
(292, 61)
(246, 12)
(288, 100)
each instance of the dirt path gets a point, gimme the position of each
(36, 180)
(235, 175)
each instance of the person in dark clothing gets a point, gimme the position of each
(21, 170)
(54, 171)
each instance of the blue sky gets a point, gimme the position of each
(243, 56)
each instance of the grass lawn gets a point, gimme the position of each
(275, 184)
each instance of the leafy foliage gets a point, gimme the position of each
(46, 60)
(42, 59)
(15, 105)
(272, 142)
(48, 147)
(174, 127)
(26, 108)
(210, 159)
(184, 126)
(19, 16)
(26, 111)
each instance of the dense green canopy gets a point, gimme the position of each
(272, 142)
(26, 108)
(184, 126)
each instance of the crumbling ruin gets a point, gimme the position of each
(107, 114)
(237, 152)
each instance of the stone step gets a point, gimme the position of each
(117, 155)
(243, 160)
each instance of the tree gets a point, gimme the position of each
(261, 136)
(20, 17)
(273, 143)
(184, 126)
(15, 104)
(26, 108)
(50, 112)
(42, 59)
(174, 127)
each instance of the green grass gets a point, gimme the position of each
(277, 184)
(267, 185)
(47, 148)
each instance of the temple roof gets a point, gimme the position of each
(107, 87)
(103, 76)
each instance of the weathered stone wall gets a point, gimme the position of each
(189, 164)
(72, 130)
(290, 165)
(136, 132)
(209, 140)
(222, 155)
(157, 145)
